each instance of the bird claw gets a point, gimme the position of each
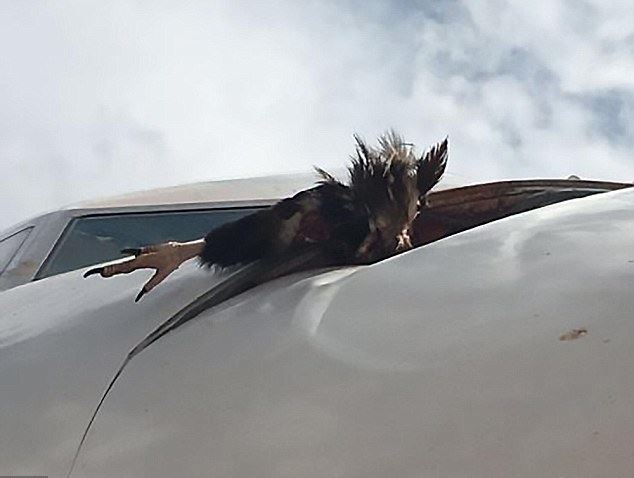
(163, 258)
(140, 294)
(96, 270)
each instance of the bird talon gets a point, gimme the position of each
(96, 270)
(139, 295)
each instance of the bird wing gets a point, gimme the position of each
(431, 166)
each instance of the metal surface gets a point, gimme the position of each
(60, 340)
(501, 351)
(244, 279)
(263, 188)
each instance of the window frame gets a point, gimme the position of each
(29, 230)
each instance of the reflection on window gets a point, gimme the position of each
(95, 239)
(10, 245)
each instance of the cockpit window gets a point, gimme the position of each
(9, 246)
(94, 239)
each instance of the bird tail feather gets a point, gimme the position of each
(431, 166)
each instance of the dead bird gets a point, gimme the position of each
(359, 221)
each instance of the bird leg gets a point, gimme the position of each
(163, 258)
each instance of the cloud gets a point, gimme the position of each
(101, 98)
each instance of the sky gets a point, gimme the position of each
(101, 98)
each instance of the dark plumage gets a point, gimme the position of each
(362, 220)
(365, 219)
(324, 214)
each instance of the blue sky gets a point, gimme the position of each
(100, 98)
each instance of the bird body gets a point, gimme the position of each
(325, 214)
(359, 221)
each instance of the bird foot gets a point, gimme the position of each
(163, 258)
